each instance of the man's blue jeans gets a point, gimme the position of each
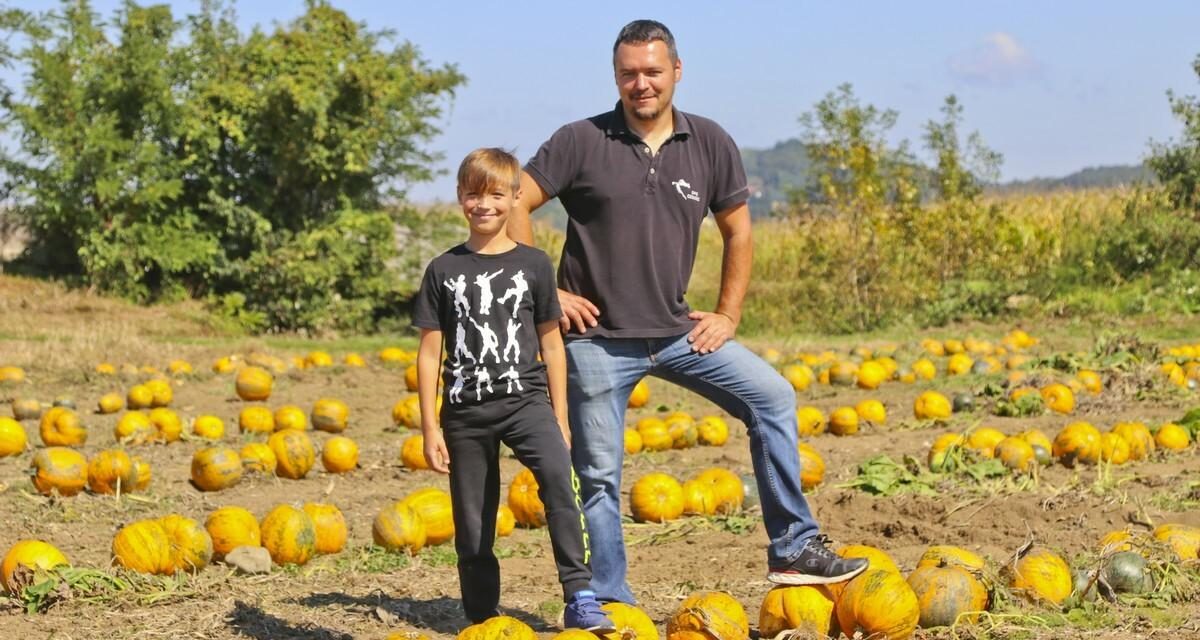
(602, 373)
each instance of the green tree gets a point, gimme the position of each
(962, 167)
(1177, 163)
(160, 158)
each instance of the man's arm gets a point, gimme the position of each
(714, 328)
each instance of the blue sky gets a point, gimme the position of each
(1053, 86)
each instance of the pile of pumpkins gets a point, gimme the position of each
(676, 430)
(842, 421)
(1182, 366)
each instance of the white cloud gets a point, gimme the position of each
(997, 61)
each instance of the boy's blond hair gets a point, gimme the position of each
(487, 168)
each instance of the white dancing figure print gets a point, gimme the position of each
(455, 394)
(482, 377)
(460, 343)
(484, 282)
(513, 343)
(461, 305)
(512, 376)
(519, 288)
(491, 341)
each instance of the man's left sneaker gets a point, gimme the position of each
(583, 612)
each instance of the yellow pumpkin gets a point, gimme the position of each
(410, 377)
(1016, 454)
(190, 544)
(843, 372)
(1077, 442)
(290, 417)
(435, 508)
(143, 546)
(871, 374)
(60, 427)
(712, 615)
(1184, 539)
(1058, 398)
(230, 528)
(959, 364)
(412, 452)
(393, 355)
(208, 427)
(224, 364)
(727, 488)
(139, 396)
(1041, 576)
(945, 593)
(31, 554)
(167, 424)
(399, 526)
(940, 453)
(924, 369)
(880, 604)
(110, 471)
(1114, 448)
(1141, 443)
(939, 555)
(1115, 542)
(142, 472)
(216, 468)
(871, 411)
(656, 497)
(499, 628)
(256, 419)
(330, 415)
(135, 427)
(257, 457)
(110, 403)
(10, 375)
(876, 557)
(713, 431)
(806, 609)
(294, 453)
(161, 393)
(843, 421)
(330, 526)
(254, 384)
(1091, 381)
(633, 441)
(179, 368)
(1172, 437)
(505, 521)
(12, 437)
(683, 432)
(932, 405)
(983, 441)
(655, 436)
(810, 421)
(639, 396)
(799, 375)
(524, 501)
(289, 535)
(339, 455)
(630, 622)
(812, 467)
(59, 469)
(698, 498)
(318, 359)
(407, 412)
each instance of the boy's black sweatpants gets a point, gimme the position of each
(532, 433)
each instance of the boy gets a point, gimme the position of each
(495, 396)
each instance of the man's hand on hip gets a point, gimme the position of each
(711, 331)
(578, 311)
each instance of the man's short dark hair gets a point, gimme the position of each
(643, 31)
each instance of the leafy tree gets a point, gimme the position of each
(160, 158)
(963, 166)
(1177, 163)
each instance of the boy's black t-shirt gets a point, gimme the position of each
(487, 307)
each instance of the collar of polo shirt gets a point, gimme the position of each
(617, 127)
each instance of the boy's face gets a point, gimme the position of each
(487, 211)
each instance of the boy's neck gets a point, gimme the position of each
(498, 242)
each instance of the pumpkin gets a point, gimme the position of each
(983, 441)
(950, 556)
(499, 628)
(31, 554)
(59, 469)
(683, 432)
(330, 415)
(106, 369)
(880, 604)
(1016, 454)
(633, 441)
(412, 452)
(407, 412)
(871, 374)
(110, 471)
(1090, 380)
(179, 368)
(727, 487)
(1115, 541)
(843, 373)
(807, 609)
(843, 421)
(1141, 443)
(256, 419)
(924, 369)
(524, 501)
(505, 521)
(941, 453)
(110, 403)
(1041, 576)
(1058, 398)
(142, 472)
(339, 455)
(1172, 437)
(810, 421)
(655, 436)
(800, 376)
(230, 528)
(630, 623)
(10, 375)
(1036, 438)
(393, 355)
(290, 417)
(1114, 448)
(713, 431)
(191, 545)
(944, 593)
(1077, 442)
(257, 457)
(876, 558)
(330, 525)
(294, 453)
(161, 393)
(289, 535)
(639, 396)
(354, 360)
(143, 546)
(656, 497)
(12, 437)
(166, 423)
(398, 526)
(698, 498)
(712, 615)
(135, 427)
(931, 405)
(812, 466)
(410, 377)
(208, 427)
(1184, 540)
(224, 364)
(26, 409)
(871, 411)
(216, 468)
(318, 359)
(959, 364)
(435, 508)
(1126, 572)
(60, 427)
(253, 384)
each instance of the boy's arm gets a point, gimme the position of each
(429, 361)
(555, 358)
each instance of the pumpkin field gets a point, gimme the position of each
(1005, 483)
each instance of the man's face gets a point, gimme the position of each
(646, 78)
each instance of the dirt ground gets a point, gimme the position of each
(363, 594)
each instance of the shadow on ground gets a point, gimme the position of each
(443, 615)
(252, 622)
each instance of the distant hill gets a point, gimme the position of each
(1116, 175)
(774, 172)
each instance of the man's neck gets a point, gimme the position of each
(653, 132)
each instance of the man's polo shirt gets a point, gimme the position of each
(634, 217)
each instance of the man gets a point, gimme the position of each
(636, 183)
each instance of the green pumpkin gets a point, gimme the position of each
(1126, 573)
(965, 402)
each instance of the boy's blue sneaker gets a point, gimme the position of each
(583, 612)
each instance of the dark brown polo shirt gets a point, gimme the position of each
(634, 218)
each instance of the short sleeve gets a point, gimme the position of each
(545, 295)
(729, 187)
(427, 306)
(556, 162)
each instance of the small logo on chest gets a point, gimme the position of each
(685, 190)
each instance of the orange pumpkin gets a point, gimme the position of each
(12, 437)
(843, 421)
(110, 471)
(1058, 398)
(410, 377)
(951, 556)
(877, 558)
(944, 593)
(59, 469)
(1077, 442)
(435, 508)
(524, 501)
(330, 526)
(135, 427)
(254, 384)
(630, 622)
(880, 604)
(294, 453)
(330, 415)
(808, 610)
(256, 419)
(32, 554)
(230, 528)
(812, 467)
(639, 396)
(290, 416)
(216, 468)
(712, 615)
(289, 535)
(257, 457)
(1041, 576)
(412, 452)
(191, 546)
(727, 487)
(60, 427)
(143, 546)
(656, 497)
(398, 526)
(339, 455)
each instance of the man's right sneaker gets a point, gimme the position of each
(583, 612)
(817, 565)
